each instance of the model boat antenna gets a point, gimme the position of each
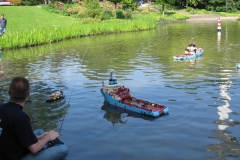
(111, 75)
(112, 80)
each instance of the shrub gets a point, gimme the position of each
(120, 14)
(107, 14)
(135, 12)
(91, 20)
(93, 9)
(81, 13)
(128, 14)
(15, 2)
(145, 11)
(189, 9)
(73, 10)
(129, 4)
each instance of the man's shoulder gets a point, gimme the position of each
(12, 109)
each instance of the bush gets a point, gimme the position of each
(135, 12)
(93, 9)
(200, 11)
(91, 20)
(145, 11)
(15, 2)
(74, 10)
(129, 4)
(128, 14)
(107, 14)
(189, 9)
(120, 14)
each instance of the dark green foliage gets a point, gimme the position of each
(129, 4)
(107, 14)
(120, 14)
(50, 8)
(93, 9)
(220, 6)
(115, 2)
(31, 2)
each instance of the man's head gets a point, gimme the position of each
(2, 16)
(19, 89)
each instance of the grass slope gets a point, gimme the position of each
(29, 17)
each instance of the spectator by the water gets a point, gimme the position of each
(3, 24)
(17, 140)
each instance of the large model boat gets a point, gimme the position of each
(119, 96)
(191, 52)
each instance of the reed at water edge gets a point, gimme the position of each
(31, 37)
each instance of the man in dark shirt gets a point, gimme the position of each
(17, 140)
(3, 24)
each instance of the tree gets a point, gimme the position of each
(129, 4)
(93, 9)
(192, 2)
(222, 6)
(165, 3)
(115, 2)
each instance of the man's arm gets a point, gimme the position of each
(42, 135)
(49, 136)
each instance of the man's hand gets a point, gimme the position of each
(42, 140)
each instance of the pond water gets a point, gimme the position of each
(202, 94)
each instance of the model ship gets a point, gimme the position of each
(55, 96)
(119, 96)
(191, 52)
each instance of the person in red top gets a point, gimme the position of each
(17, 140)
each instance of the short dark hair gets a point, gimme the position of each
(19, 89)
(2, 14)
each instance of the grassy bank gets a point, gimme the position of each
(33, 25)
(33, 17)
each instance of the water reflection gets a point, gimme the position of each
(45, 115)
(1, 63)
(192, 63)
(144, 61)
(219, 41)
(115, 115)
(228, 147)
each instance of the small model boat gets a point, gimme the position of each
(119, 96)
(55, 96)
(191, 52)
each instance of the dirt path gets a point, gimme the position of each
(210, 17)
(198, 17)
(206, 17)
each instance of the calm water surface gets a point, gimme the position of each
(202, 94)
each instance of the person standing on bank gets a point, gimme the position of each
(17, 140)
(3, 24)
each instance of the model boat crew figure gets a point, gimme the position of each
(116, 94)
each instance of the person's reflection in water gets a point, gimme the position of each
(1, 63)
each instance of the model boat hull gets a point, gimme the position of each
(190, 56)
(137, 105)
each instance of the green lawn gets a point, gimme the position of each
(29, 17)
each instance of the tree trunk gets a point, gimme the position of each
(163, 10)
